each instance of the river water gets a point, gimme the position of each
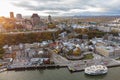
(57, 74)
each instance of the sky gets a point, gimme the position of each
(60, 7)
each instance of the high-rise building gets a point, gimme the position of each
(35, 19)
(18, 16)
(12, 15)
(49, 19)
(28, 24)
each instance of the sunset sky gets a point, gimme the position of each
(60, 7)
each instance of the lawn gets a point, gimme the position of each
(88, 56)
(118, 58)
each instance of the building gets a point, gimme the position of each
(28, 24)
(35, 19)
(108, 37)
(115, 25)
(84, 36)
(108, 51)
(115, 29)
(18, 16)
(12, 15)
(49, 19)
(104, 28)
(2, 28)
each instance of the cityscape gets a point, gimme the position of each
(60, 42)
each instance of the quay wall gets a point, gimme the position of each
(35, 67)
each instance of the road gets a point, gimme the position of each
(27, 32)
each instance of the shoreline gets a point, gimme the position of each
(71, 69)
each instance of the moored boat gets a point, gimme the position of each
(4, 69)
(96, 70)
(71, 69)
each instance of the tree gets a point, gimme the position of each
(70, 52)
(51, 25)
(1, 52)
(9, 26)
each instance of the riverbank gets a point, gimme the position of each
(82, 65)
(57, 74)
(74, 66)
(34, 67)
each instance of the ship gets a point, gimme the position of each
(96, 70)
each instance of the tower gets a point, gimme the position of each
(12, 15)
(49, 19)
(35, 19)
(18, 16)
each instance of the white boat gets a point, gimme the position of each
(4, 69)
(71, 69)
(96, 70)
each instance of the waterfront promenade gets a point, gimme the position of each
(81, 65)
(73, 66)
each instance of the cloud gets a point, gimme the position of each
(70, 7)
(49, 12)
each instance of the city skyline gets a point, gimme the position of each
(60, 7)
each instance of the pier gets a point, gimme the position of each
(73, 66)
(80, 66)
(33, 67)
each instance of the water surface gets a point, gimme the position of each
(57, 74)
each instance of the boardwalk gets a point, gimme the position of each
(80, 66)
(73, 66)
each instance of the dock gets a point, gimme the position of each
(72, 66)
(75, 66)
(33, 67)
(80, 67)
